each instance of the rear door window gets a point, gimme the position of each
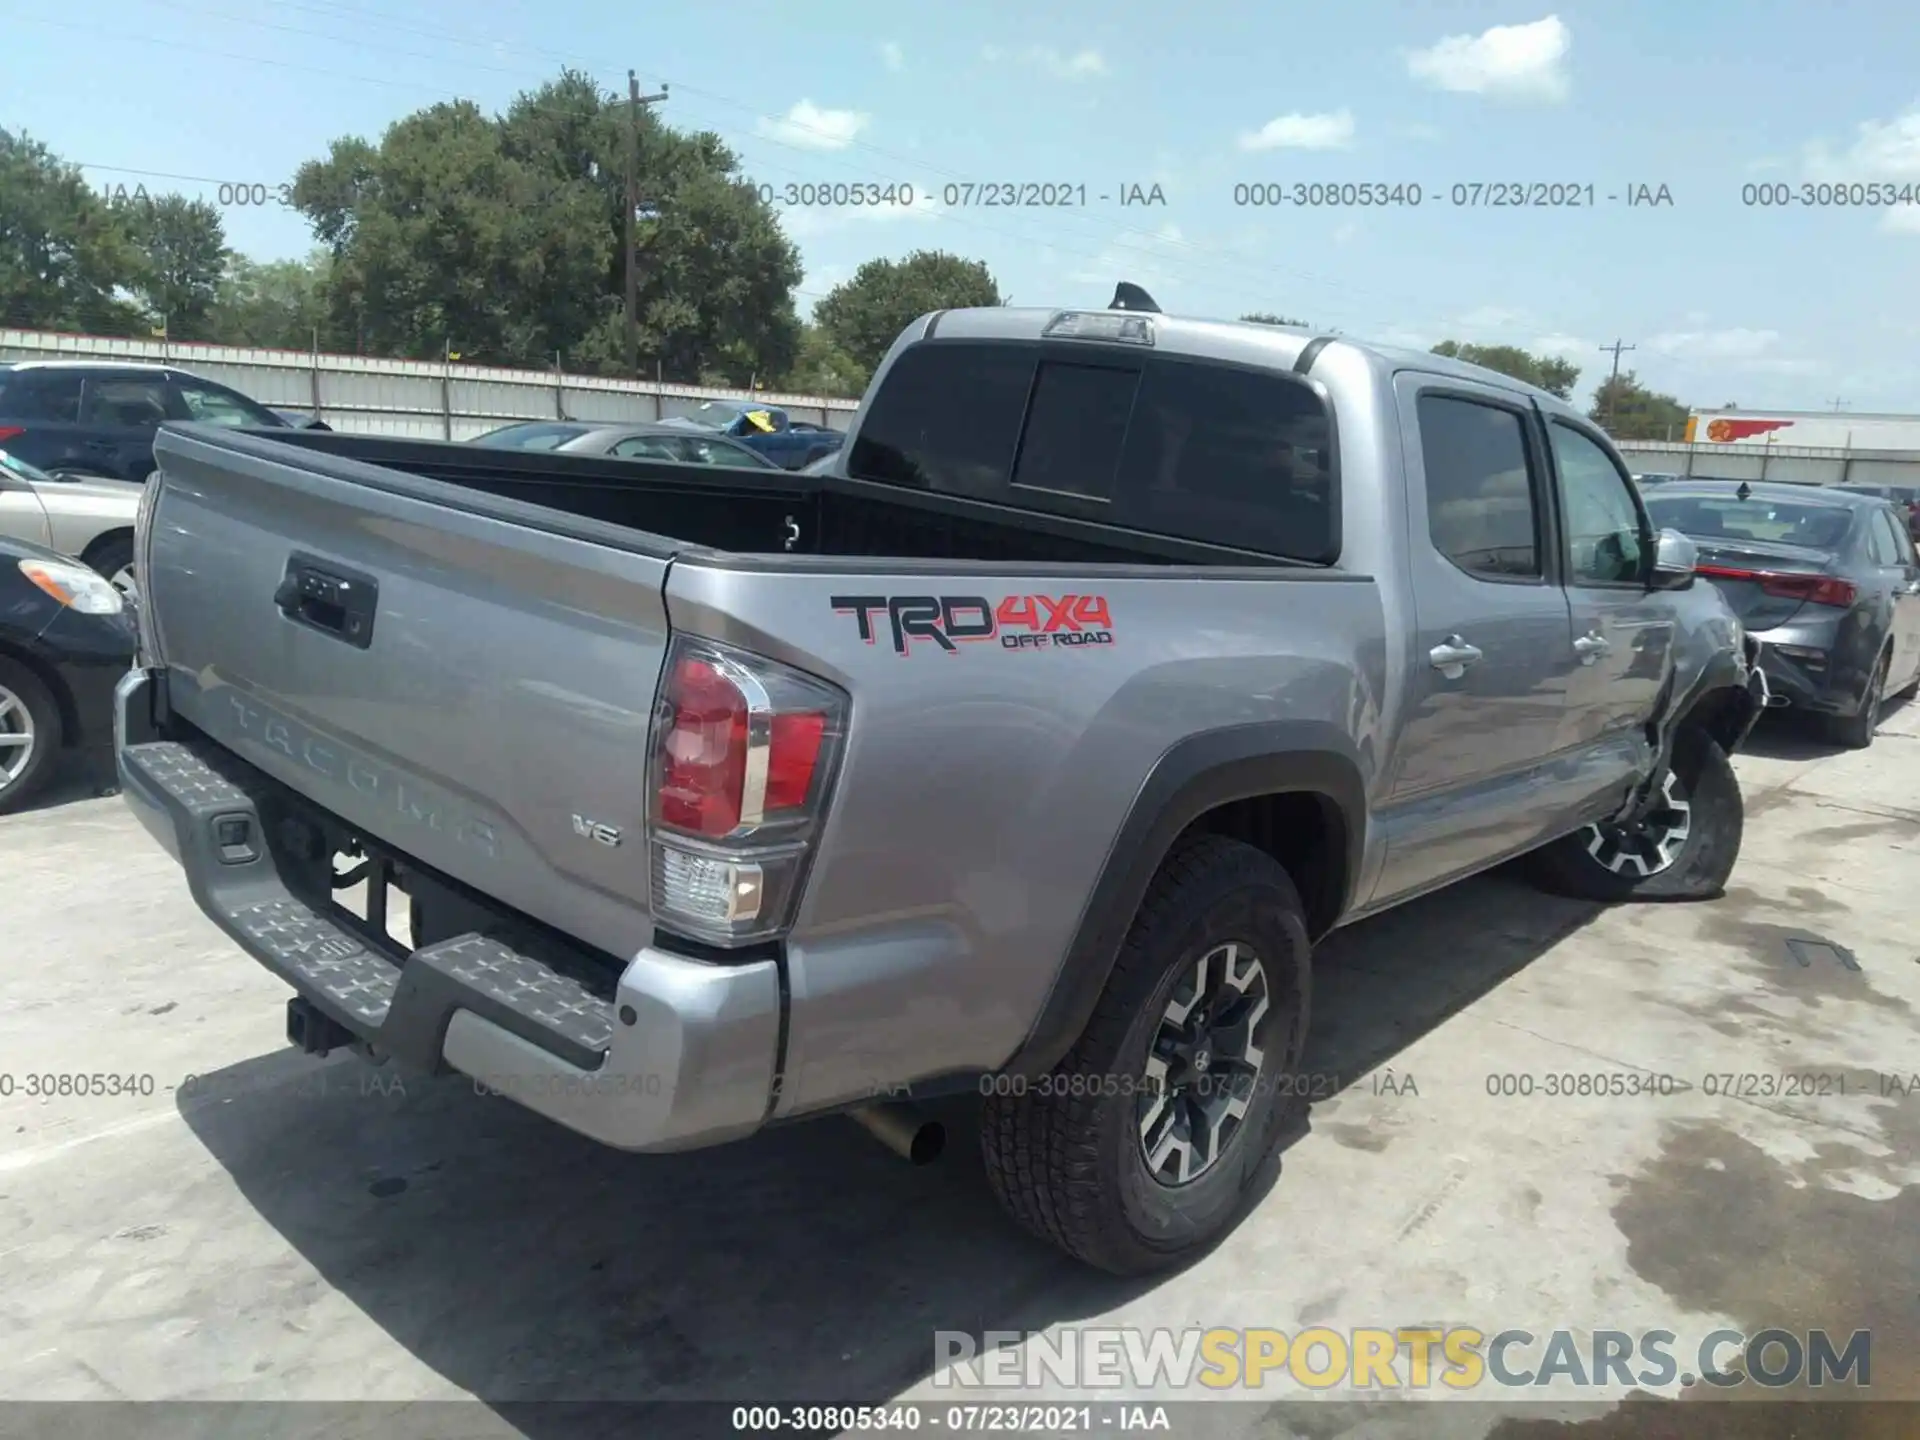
(1231, 456)
(1179, 447)
(138, 400)
(1884, 540)
(40, 395)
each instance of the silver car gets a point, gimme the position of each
(88, 517)
(625, 441)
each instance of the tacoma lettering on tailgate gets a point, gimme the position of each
(1018, 622)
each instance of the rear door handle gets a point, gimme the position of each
(1452, 656)
(1591, 647)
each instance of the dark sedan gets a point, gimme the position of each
(66, 638)
(1827, 581)
(633, 442)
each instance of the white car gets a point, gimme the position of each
(91, 518)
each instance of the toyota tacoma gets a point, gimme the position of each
(1026, 753)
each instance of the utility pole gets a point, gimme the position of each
(1838, 405)
(634, 101)
(1612, 386)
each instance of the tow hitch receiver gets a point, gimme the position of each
(313, 1032)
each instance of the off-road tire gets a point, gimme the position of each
(1706, 858)
(26, 687)
(1855, 731)
(1063, 1153)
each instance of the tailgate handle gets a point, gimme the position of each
(330, 599)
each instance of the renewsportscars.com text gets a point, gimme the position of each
(1417, 1357)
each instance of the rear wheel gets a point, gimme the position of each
(29, 735)
(1143, 1145)
(1682, 846)
(1855, 731)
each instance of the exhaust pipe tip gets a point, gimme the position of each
(903, 1130)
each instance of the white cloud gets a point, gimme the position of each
(1420, 132)
(1081, 65)
(810, 127)
(1517, 62)
(892, 56)
(1150, 260)
(1902, 220)
(1344, 233)
(1881, 150)
(1332, 130)
(1483, 318)
(1404, 337)
(1734, 345)
(1565, 346)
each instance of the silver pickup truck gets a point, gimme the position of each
(1026, 754)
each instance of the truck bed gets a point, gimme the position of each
(753, 511)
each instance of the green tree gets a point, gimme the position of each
(1551, 373)
(865, 315)
(505, 237)
(280, 305)
(1628, 410)
(825, 369)
(183, 255)
(65, 254)
(1262, 317)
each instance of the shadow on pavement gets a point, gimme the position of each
(82, 775)
(1785, 735)
(522, 1263)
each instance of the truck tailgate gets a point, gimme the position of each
(505, 655)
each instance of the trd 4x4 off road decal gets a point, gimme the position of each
(1018, 622)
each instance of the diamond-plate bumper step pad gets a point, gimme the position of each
(402, 1010)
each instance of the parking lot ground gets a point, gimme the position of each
(282, 1228)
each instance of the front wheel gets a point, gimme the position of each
(1143, 1145)
(29, 735)
(1682, 846)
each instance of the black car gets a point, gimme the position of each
(98, 418)
(66, 638)
(1827, 581)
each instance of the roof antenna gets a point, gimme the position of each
(1128, 296)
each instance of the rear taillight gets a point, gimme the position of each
(744, 751)
(11, 432)
(1814, 589)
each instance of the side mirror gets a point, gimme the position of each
(1674, 559)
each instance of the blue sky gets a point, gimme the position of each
(1724, 301)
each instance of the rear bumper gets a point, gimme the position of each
(1833, 684)
(679, 1055)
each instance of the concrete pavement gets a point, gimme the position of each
(281, 1228)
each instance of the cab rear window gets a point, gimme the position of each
(1177, 446)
